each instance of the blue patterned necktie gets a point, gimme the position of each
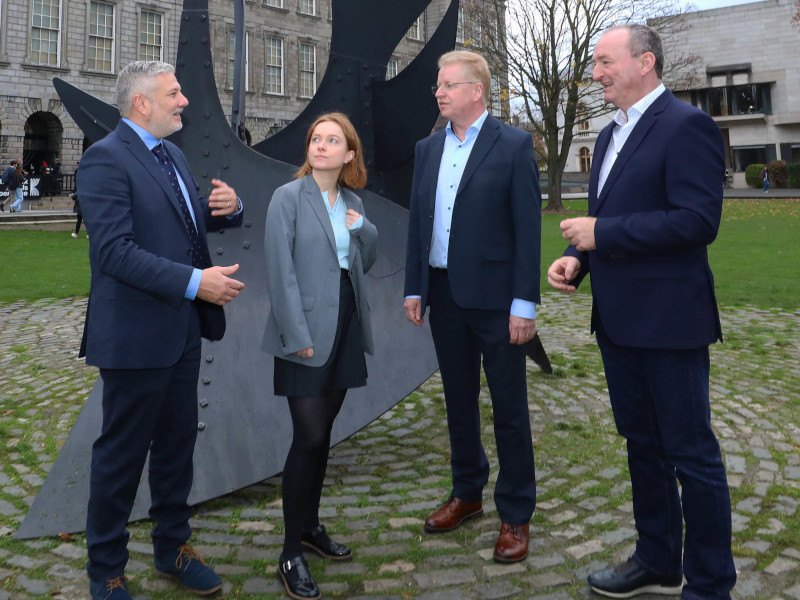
(199, 252)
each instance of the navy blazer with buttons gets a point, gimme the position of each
(659, 209)
(494, 248)
(140, 255)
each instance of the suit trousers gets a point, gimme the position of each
(461, 338)
(144, 410)
(660, 403)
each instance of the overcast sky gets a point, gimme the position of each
(706, 4)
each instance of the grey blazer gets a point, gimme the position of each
(303, 272)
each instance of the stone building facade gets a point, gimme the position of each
(747, 79)
(87, 42)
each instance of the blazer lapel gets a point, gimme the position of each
(150, 163)
(635, 139)
(486, 138)
(313, 196)
(437, 149)
(603, 140)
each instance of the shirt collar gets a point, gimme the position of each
(472, 129)
(637, 110)
(148, 138)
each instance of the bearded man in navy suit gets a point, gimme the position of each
(154, 293)
(655, 203)
(473, 258)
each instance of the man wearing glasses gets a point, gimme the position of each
(473, 258)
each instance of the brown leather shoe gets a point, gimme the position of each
(451, 514)
(512, 543)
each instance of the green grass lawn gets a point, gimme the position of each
(752, 259)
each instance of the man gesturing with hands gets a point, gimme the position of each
(154, 293)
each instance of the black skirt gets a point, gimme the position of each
(346, 366)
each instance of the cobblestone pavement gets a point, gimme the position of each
(383, 481)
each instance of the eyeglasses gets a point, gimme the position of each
(449, 86)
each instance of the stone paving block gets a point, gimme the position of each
(372, 586)
(496, 590)
(444, 577)
(494, 570)
(781, 565)
(70, 551)
(33, 586)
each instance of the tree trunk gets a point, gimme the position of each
(554, 175)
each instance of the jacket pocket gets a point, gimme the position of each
(307, 302)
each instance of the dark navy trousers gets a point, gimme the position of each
(461, 338)
(144, 410)
(661, 407)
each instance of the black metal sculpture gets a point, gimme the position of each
(244, 432)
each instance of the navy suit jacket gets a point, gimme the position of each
(140, 255)
(658, 211)
(495, 236)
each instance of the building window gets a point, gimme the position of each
(100, 53)
(307, 7)
(46, 32)
(308, 70)
(582, 117)
(585, 159)
(461, 26)
(232, 60)
(748, 99)
(392, 67)
(151, 36)
(747, 155)
(415, 32)
(274, 3)
(274, 68)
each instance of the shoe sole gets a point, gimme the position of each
(207, 592)
(648, 589)
(473, 515)
(289, 591)
(507, 561)
(319, 552)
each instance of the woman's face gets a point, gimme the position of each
(327, 150)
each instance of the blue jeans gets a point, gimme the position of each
(765, 184)
(17, 205)
(661, 407)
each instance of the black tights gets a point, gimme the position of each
(304, 472)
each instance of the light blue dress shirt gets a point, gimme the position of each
(338, 216)
(151, 142)
(451, 168)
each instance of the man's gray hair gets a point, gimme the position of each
(644, 39)
(137, 78)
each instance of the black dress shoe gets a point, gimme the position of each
(631, 578)
(318, 541)
(296, 578)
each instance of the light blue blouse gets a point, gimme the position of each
(337, 214)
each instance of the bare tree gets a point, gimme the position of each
(542, 50)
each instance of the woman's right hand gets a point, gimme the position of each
(305, 352)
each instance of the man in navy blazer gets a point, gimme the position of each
(154, 293)
(655, 203)
(473, 258)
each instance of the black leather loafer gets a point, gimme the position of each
(318, 541)
(296, 578)
(631, 579)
